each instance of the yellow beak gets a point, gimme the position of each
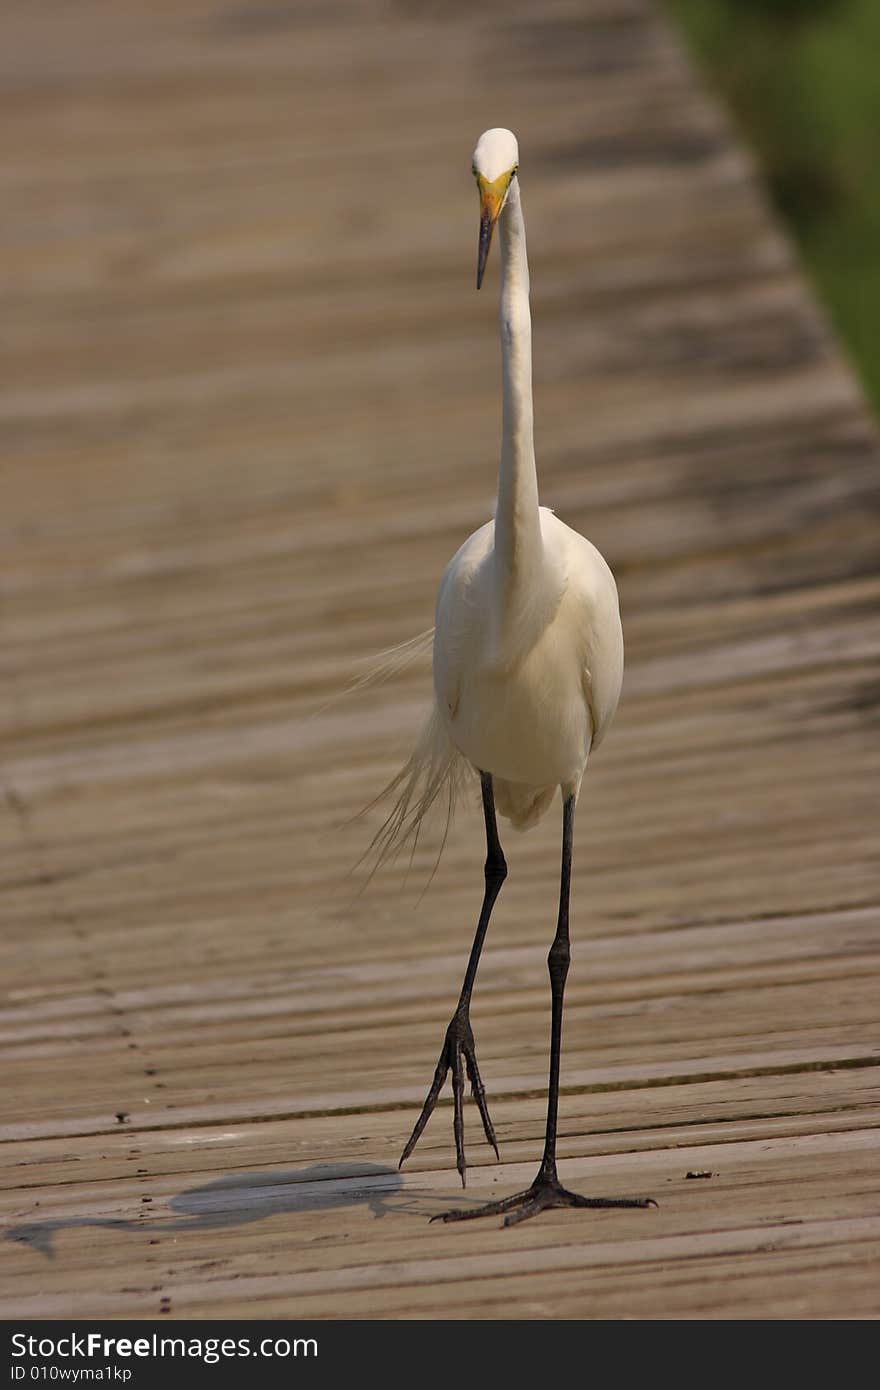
(491, 201)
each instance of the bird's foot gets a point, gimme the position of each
(458, 1056)
(545, 1193)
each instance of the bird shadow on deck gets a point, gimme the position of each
(240, 1198)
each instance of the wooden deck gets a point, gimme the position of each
(249, 404)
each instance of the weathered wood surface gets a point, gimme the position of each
(249, 403)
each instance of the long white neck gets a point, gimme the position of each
(518, 548)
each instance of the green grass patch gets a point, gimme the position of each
(801, 77)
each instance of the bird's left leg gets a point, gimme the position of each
(458, 1054)
(547, 1191)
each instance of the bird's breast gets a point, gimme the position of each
(529, 723)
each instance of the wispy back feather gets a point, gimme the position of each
(388, 663)
(435, 773)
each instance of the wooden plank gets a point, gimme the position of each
(249, 407)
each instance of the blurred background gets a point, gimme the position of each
(800, 77)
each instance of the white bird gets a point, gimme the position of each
(528, 665)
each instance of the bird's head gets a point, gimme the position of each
(495, 163)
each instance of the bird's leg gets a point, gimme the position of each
(458, 1054)
(546, 1191)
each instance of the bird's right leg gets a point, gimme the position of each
(458, 1054)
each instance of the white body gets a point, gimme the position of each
(531, 714)
(528, 646)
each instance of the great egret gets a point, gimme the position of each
(528, 664)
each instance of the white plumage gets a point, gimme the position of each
(528, 646)
(528, 663)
